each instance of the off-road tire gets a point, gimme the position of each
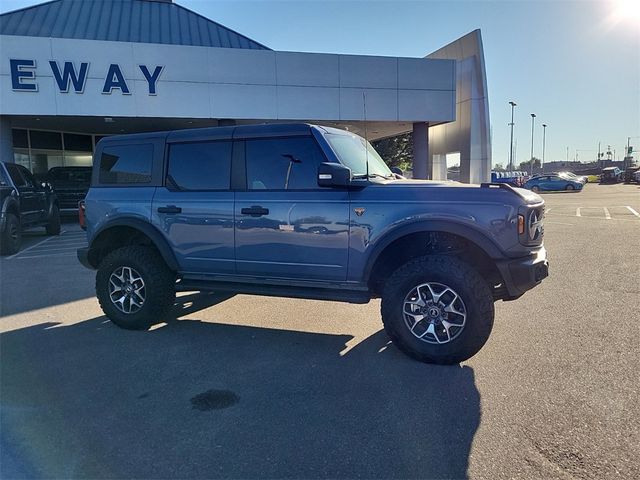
(159, 286)
(471, 288)
(11, 235)
(53, 227)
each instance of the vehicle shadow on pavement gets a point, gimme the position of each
(198, 399)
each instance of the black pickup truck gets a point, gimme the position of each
(24, 203)
(70, 184)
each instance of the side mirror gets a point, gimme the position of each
(333, 175)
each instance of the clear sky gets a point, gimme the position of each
(575, 64)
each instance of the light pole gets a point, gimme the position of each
(533, 121)
(544, 142)
(513, 105)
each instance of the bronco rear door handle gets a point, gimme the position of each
(255, 211)
(169, 209)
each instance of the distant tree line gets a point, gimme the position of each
(396, 151)
(523, 166)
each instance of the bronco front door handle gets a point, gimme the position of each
(255, 211)
(169, 209)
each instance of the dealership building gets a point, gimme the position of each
(72, 72)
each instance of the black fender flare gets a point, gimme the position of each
(9, 202)
(156, 237)
(447, 226)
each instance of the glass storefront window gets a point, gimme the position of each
(20, 138)
(45, 140)
(40, 150)
(77, 159)
(78, 143)
(43, 160)
(21, 157)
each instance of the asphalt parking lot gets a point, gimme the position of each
(257, 387)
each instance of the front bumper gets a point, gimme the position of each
(523, 274)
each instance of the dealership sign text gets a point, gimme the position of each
(67, 77)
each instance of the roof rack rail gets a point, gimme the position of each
(496, 184)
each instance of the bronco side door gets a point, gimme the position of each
(286, 226)
(194, 207)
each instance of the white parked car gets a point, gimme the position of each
(578, 178)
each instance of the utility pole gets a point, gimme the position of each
(513, 105)
(567, 154)
(533, 121)
(544, 141)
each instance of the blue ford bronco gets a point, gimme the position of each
(305, 211)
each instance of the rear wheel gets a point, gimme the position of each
(53, 227)
(11, 235)
(135, 287)
(569, 188)
(437, 309)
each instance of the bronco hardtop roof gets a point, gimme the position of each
(224, 133)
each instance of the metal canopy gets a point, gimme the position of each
(143, 21)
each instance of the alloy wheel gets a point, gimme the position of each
(434, 313)
(127, 290)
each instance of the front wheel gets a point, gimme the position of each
(569, 188)
(535, 189)
(135, 288)
(437, 309)
(11, 235)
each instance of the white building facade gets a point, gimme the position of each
(65, 84)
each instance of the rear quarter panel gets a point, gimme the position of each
(106, 204)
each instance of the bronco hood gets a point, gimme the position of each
(528, 196)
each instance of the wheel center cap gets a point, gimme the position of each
(128, 289)
(433, 312)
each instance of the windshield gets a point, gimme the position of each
(354, 152)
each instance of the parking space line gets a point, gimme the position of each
(69, 242)
(31, 247)
(559, 223)
(47, 256)
(633, 211)
(594, 218)
(578, 212)
(607, 215)
(53, 249)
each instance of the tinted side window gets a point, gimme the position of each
(126, 164)
(28, 177)
(14, 173)
(200, 166)
(283, 164)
